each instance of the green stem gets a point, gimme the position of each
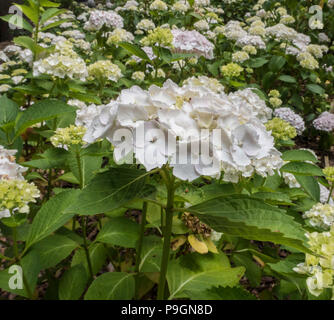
(37, 29)
(15, 248)
(81, 177)
(141, 236)
(140, 246)
(49, 185)
(330, 192)
(167, 237)
(26, 285)
(84, 237)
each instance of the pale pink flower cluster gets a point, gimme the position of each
(192, 42)
(99, 18)
(325, 122)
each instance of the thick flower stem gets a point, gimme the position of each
(16, 252)
(140, 245)
(167, 237)
(141, 237)
(330, 193)
(84, 231)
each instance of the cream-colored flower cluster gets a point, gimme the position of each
(138, 75)
(104, 69)
(274, 99)
(15, 192)
(65, 137)
(15, 195)
(320, 266)
(145, 25)
(64, 62)
(281, 130)
(119, 35)
(321, 216)
(231, 70)
(240, 56)
(158, 37)
(158, 5)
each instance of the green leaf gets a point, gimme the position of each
(97, 254)
(72, 283)
(110, 190)
(8, 110)
(50, 13)
(53, 249)
(18, 22)
(315, 88)
(273, 197)
(119, 231)
(54, 24)
(299, 155)
(30, 12)
(51, 216)
(41, 111)
(51, 158)
(253, 271)
(302, 168)
(287, 78)
(195, 273)
(79, 163)
(134, 49)
(49, 4)
(257, 62)
(310, 185)
(112, 286)
(253, 219)
(286, 266)
(69, 177)
(277, 63)
(220, 293)
(150, 259)
(268, 80)
(29, 43)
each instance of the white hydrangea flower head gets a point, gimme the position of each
(320, 215)
(9, 169)
(242, 147)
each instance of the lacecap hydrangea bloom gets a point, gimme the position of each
(236, 140)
